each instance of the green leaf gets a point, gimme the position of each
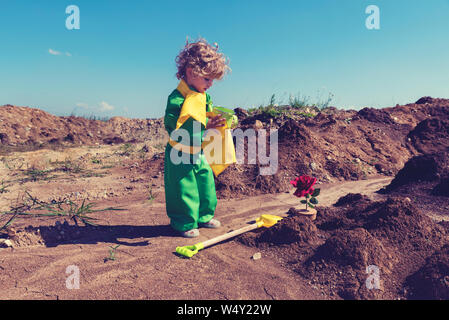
(223, 110)
(314, 200)
(316, 192)
(311, 205)
(304, 201)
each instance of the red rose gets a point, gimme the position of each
(303, 185)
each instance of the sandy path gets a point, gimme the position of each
(146, 266)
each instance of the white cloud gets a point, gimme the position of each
(54, 52)
(104, 106)
(82, 105)
(58, 53)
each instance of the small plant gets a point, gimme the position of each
(126, 149)
(3, 187)
(151, 196)
(252, 110)
(304, 188)
(5, 162)
(269, 111)
(8, 223)
(325, 103)
(112, 252)
(96, 161)
(298, 102)
(272, 100)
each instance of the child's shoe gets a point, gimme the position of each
(213, 223)
(193, 233)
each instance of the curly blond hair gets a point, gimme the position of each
(203, 58)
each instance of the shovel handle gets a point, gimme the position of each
(229, 235)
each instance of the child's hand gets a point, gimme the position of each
(215, 122)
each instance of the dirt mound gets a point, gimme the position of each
(352, 243)
(23, 126)
(356, 248)
(430, 136)
(432, 280)
(375, 115)
(293, 132)
(25, 237)
(293, 230)
(330, 147)
(344, 260)
(442, 188)
(425, 100)
(350, 198)
(423, 178)
(428, 167)
(48, 235)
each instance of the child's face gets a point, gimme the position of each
(201, 84)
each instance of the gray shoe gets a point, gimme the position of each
(213, 224)
(193, 233)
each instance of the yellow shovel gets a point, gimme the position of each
(265, 220)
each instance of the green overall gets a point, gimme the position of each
(190, 195)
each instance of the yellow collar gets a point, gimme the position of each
(194, 105)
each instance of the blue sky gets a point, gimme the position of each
(121, 60)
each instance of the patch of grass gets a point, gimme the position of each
(68, 165)
(34, 174)
(297, 106)
(9, 163)
(32, 206)
(306, 114)
(71, 166)
(90, 173)
(90, 117)
(126, 149)
(298, 102)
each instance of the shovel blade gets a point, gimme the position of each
(268, 220)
